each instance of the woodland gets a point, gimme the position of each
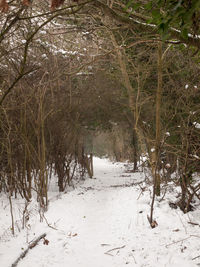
(108, 77)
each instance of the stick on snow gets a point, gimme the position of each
(31, 245)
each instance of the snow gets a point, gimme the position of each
(194, 156)
(196, 125)
(84, 73)
(103, 223)
(168, 166)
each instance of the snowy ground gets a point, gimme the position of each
(102, 223)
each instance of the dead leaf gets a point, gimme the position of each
(75, 234)
(182, 249)
(46, 242)
(72, 235)
(4, 6)
(56, 4)
(26, 2)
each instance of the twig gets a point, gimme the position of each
(163, 195)
(30, 246)
(49, 225)
(175, 242)
(108, 254)
(196, 257)
(110, 250)
(194, 223)
(195, 236)
(134, 258)
(105, 245)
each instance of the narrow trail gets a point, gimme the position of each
(103, 224)
(92, 220)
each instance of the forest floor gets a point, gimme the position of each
(102, 223)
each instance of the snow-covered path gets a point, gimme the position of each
(102, 224)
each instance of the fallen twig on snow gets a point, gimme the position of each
(103, 245)
(30, 246)
(125, 185)
(196, 257)
(194, 223)
(175, 242)
(110, 250)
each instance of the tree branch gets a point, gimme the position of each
(137, 20)
(31, 245)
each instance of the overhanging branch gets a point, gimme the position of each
(137, 21)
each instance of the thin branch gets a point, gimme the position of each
(194, 223)
(56, 11)
(110, 250)
(16, 18)
(196, 257)
(28, 41)
(175, 242)
(20, 76)
(31, 245)
(136, 20)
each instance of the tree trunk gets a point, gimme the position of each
(158, 121)
(131, 97)
(135, 151)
